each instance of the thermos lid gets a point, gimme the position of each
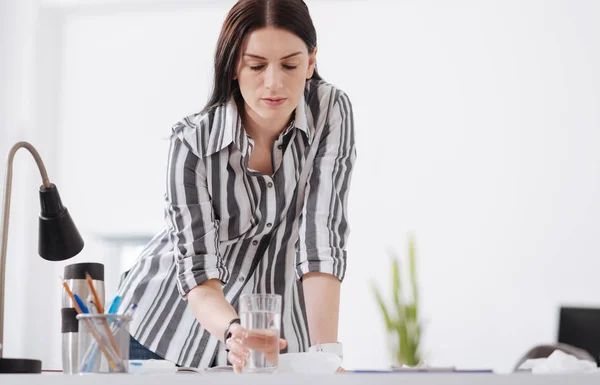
(78, 270)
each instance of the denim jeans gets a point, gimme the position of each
(138, 351)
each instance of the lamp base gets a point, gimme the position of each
(20, 365)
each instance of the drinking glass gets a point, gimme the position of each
(260, 315)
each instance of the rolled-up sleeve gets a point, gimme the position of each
(190, 220)
(324, 227)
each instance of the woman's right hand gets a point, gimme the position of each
(238, 352)
(242, 341)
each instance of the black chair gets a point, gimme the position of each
(580, 327)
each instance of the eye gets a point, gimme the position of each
(257, 68)
(289, 67)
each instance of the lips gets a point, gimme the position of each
(274, 102)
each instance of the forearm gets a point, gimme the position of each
(211, 309)
(322, 300)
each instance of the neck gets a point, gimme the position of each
(260, 129)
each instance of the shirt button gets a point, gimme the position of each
(255, 243)
(269, 224)
(269, 185)
(241, 279)
(280, 147)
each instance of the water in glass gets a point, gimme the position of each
(263, 335)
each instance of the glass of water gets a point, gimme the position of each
(260, 315)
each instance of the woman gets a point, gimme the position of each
(241, 215)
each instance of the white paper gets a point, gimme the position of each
(559, 362)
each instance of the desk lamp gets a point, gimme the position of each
(58, 240)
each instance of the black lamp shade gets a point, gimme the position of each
(58, 238)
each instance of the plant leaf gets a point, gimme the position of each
(411, 312)
(404, 345)
(413, 269)
(384, 311)
(397, 286)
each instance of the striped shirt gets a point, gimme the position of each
(256, 233)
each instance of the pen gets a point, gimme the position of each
(115, 305)
(97, 300)
(100, 308)
(92, 307)
(82, 306)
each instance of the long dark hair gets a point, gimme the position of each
(247, 16)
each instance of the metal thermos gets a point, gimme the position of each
(75, 277)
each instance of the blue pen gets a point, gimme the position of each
(115, 305)
(82, 306)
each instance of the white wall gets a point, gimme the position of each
(477, 128)
(23, 116)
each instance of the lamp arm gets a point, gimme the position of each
(6, 214)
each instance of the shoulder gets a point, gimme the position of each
(195, 131)
(323, 93)
(327, 106)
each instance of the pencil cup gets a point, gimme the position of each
(103, 343)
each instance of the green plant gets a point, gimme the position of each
(402, 316)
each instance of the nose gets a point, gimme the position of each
(273, 78)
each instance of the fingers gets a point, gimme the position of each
(237, 331)
(236, 347)
(238, 354)
(237, 362)
(264, 336)
(264, 340)
(282, 343)
(262, 333)
(262, 344)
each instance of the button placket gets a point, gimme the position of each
(277, 153)
(271, 204)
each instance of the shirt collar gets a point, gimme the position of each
(226, 127)
(301, 120)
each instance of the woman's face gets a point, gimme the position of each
(273, 67)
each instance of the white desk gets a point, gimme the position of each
(336, 379)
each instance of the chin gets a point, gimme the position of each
(274, 113)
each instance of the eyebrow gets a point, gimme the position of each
(264, 58)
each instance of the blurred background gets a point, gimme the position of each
(477, 125)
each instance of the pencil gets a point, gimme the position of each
(100, 308)
(90, 326)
